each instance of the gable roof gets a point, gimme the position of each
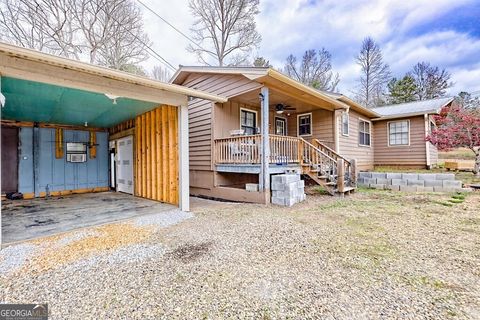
(414, 108)
(267, 76)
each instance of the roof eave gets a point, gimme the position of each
(407, 115)
(78, 66)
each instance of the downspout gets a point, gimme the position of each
(427, 143)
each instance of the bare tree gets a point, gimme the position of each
(224, 29)
(160, 73)
(431, 82)
(106, 32)
(375, 74)
(45, 25)
(315, 70)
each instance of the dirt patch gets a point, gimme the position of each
(191, 252)
(105, 238)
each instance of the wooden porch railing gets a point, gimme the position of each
(246, 149)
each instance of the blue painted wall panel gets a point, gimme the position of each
(25, 162)
(59, 174)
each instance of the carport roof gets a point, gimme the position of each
(44, 88)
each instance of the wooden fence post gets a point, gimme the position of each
(353, 172)
(340, 175)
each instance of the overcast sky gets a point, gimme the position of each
(445, 33)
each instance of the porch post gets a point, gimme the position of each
(183, 159)
(265, 159)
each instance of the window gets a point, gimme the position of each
(248, 121)
(280, 126)
(345, 123)
(305, 124)
(364, 133)
(398, 133)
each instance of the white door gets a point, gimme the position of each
(125, 165)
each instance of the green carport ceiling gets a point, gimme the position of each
(45, 103)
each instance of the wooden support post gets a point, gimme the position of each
(265, 158)
(36, 160)
(183, 159)
(353, 172)
(340, 175)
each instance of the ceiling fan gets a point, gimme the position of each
(281, 108)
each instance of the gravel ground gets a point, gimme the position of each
(374, 255)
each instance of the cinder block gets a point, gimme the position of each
(285, 194)
(361, 181)
(364, 174)
(252, 187)
(394, 175)
(399, 182)
(277, 186)
(442, 189)
(409, 176)
(301, 184)
(301, 197)
(419, 183)
(290, 202)
(379, 175)
(384, 181)
(433, 183)
(278, 201)
(445, 176)
(452, 184)
(377, 186)
(424, 189)
(292, 178)
(393, 188)
(427, 176)
(278, 178)
(370, 181)
(408, 188)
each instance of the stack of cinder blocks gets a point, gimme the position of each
(287, 189)
(411, 182)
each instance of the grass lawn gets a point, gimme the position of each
(375, 254)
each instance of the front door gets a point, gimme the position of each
(9, 159)
(124, 173)
(281, 126)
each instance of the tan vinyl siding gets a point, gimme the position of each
(202, 118)
(411, 155)
(349, 146)
(322, 126)
(433, 154)
(227, 117)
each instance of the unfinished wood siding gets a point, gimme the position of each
(349, 146)
(156, 155)
(413, 155)
(322, 126)
(201, 114)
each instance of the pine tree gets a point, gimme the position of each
(402, 90)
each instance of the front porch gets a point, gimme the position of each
(243, 154)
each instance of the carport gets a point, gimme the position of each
(73, 128)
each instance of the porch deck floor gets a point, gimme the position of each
(29, 219)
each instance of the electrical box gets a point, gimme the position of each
(76, 152)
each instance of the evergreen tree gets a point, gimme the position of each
(402, 90)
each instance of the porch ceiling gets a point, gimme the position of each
(300, 104)
(47, 103)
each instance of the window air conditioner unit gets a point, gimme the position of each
(76, 152)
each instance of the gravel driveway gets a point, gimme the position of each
(374, 255)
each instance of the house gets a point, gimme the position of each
(271, 124)
(400, 133)
(297, 128)
(71, 127)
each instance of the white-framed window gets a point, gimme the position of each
(304, 124)
(399, 133)
(345, 124)
(280, 126)
(248, 121)
(364, 132)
